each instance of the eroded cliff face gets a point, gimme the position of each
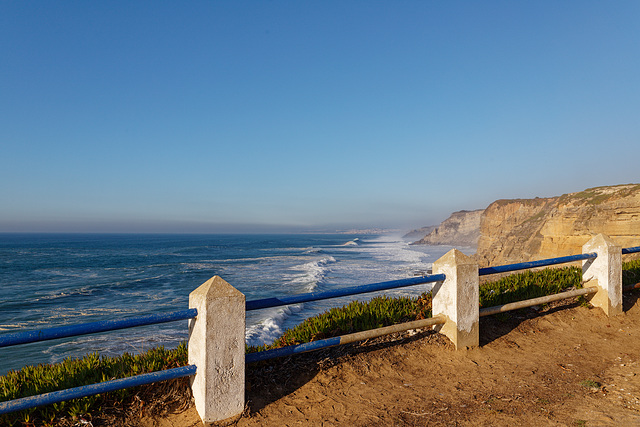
(524, 230)
(419, 233)
(460, 229)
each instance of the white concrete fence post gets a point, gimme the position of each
(457, 299)
(217, 348)
(605, 272)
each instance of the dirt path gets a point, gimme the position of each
(564, 365)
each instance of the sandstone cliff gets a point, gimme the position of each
(460, 229)
(523, 230)
(419, 233)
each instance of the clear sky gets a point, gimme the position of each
(264, 115)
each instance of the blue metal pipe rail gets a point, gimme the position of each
(547, 262)
(632, 250)
(352, 290)
(17, 338)
(103, 387)
(93, 389)
(533, 264)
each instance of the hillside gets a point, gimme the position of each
(517, 230)
(460, 229)
(419, 233)
(528, 229)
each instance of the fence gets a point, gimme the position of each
(7, 340)
(217, 324)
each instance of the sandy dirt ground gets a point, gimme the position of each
(564, 364)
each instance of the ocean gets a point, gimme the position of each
(49, 280)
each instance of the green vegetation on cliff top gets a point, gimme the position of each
(599, 195)
(592, 196)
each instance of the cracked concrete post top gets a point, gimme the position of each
(605, 272)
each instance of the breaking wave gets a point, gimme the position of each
(305, 278)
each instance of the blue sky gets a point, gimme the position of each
(280, 115)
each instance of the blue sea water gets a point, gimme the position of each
(49, 280)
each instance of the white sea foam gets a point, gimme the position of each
(72, 273)
(312, 250)
(380, 259)
(310, 273)
(271, 326)
(306, 278)
(258, 259)
(199, 266)
(376, 260)
(353, 242)
(84, 291)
